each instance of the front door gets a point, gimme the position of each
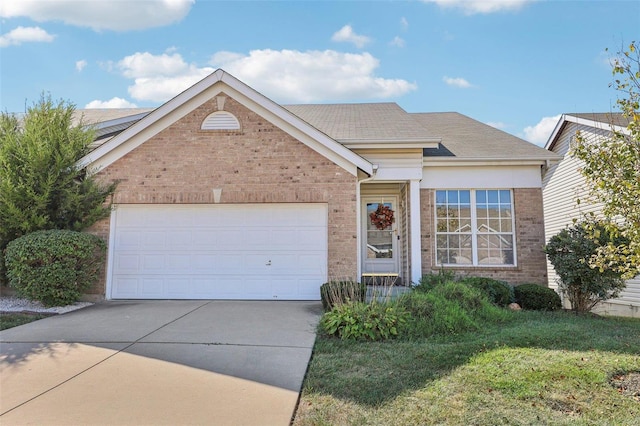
(380, 235)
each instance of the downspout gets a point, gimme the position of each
(359, 221)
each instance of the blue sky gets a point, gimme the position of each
(514, 64)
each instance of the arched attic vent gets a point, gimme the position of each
(220, 120)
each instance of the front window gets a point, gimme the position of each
(474, 227)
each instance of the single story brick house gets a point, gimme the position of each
(563, 184)
(225, 194)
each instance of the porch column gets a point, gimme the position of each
(415, 232)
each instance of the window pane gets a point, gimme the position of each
(505, 225)
(465, 197)
(493, 196)
(481, 197)
(453, 241)
(452, 197)
(505, 197)
(441, 197)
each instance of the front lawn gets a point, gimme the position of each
(9, 320)
(537, 368)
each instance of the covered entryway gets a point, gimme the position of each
(239, 251)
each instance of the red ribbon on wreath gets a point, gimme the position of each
(382, 218)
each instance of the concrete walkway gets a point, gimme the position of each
(159, 362)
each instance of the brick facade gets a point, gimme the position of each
(529, 221)
(259, 163)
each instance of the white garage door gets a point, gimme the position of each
(249, 251)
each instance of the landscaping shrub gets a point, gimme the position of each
(450, 308)
(499, 292)
(55, 266)
(336, 293)
(537, 297)
(571, 251)
(362, 321)
(429, 281)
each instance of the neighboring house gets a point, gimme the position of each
(563, 185)
(225, 194)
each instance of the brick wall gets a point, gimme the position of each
(258, 164)
(529, 221)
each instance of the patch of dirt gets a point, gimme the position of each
(565, 407)
(628, 384)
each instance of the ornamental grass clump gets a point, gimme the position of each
(450, 308)
(339, 292)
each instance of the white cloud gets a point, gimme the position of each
(539, 134)
(142, 65)
(346, 34)
(471, 7)
(404, 23)
(117, 15)
(287, 76)
(160, 77)
(80, 65)
(457, 82)
(111, 103)
(21, 35)
(397, 41)
(312, 76)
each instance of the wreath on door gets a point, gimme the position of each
(382, 218)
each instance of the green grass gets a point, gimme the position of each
(537, 368)
(9, 320)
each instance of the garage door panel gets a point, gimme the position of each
(152, 287)
(127, 263)
(179, 238)
(218, 251)
(126, 287)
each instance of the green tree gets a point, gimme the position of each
(612, 170)
(41, 186)
(569, 252)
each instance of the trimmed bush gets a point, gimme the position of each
(336, 293)
(55, 266)
(362, 321)
(537, 297)
(499, 292)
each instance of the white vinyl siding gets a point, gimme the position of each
(563, 185)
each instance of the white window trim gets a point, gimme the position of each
(474, 233)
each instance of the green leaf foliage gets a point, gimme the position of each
(41, 186)
(612, 168)
(537, 298)
(364, 321)
(499, 292)
(54, 266)
(570, 252)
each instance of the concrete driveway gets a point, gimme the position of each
(159, 362)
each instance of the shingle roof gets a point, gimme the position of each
(466, 138)
(462, 136)
(368, 121)
(615, 118)
(99, 115)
